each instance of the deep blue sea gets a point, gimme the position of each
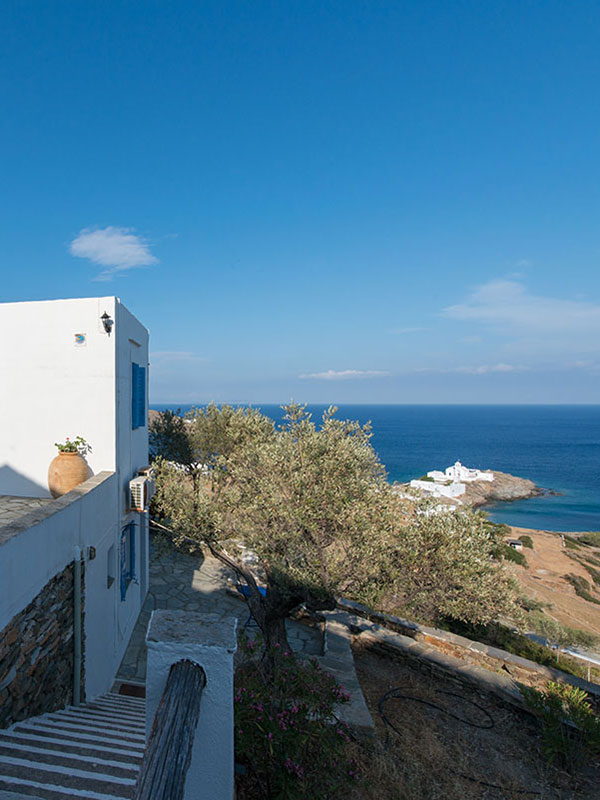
(558, 447)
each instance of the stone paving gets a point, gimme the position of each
(188, 583)
(11, 508)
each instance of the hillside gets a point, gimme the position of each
(544, 580)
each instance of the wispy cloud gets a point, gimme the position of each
(540, 330)
(345, 374)
(401, 331)
(484, 369)
(586, 364)
(117, 249)
(508, 307)
(481, 369)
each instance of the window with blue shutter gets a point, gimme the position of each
(138, 396)
(127, 558)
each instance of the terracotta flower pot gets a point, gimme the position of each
(65, 472)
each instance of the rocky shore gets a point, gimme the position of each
(504, 487)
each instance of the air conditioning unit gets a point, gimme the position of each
(141, 490)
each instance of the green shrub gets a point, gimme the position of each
(531, 604)
(593, 572)
(516, 643)
(590, 560)
(527, 541)
(560, 635)
(571, 543)
(592, 539)
(501, 529)
(426, 478)
(582, 638)
(581, 586)
(570, 728)
(510, 554)
(286, 734)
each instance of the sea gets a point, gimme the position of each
(558, 447)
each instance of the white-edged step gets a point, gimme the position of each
(92, 752)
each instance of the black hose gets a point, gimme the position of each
(399, 693)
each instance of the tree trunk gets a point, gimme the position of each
(275, 634)
(270, 612)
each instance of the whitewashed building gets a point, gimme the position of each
(454, 489)
(452, 482)
(457, 472)
(68, 368)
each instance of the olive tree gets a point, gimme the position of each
(313, 504)
(449, 567)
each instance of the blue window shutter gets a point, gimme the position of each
(132, 551)
(123, 559)
(138, 396)
(134, 383)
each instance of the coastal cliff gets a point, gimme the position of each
(504, 487)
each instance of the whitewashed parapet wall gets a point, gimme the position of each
(39, 546)
(439, 490)
(208, 640)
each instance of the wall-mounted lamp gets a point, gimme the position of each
(107, 322)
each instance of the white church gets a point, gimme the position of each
(452, 482)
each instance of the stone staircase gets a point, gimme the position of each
(92, 752)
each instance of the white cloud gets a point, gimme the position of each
(482, 369)
(401, 331)
(509, 308)
(587, 365)
(345, 374)
(117, 249)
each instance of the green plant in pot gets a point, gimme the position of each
(69, 468)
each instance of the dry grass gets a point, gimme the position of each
(432, 753)
(548, 563)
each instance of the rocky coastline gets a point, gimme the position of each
(504, 488)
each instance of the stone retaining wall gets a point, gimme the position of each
(338, 659)
(427, 659)
(452, 646)
(36, 653)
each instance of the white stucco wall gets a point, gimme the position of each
(131, 339)
(51, 388)
(439, 490)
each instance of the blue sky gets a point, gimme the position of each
(332, 201)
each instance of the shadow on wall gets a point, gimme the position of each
(14, 483)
